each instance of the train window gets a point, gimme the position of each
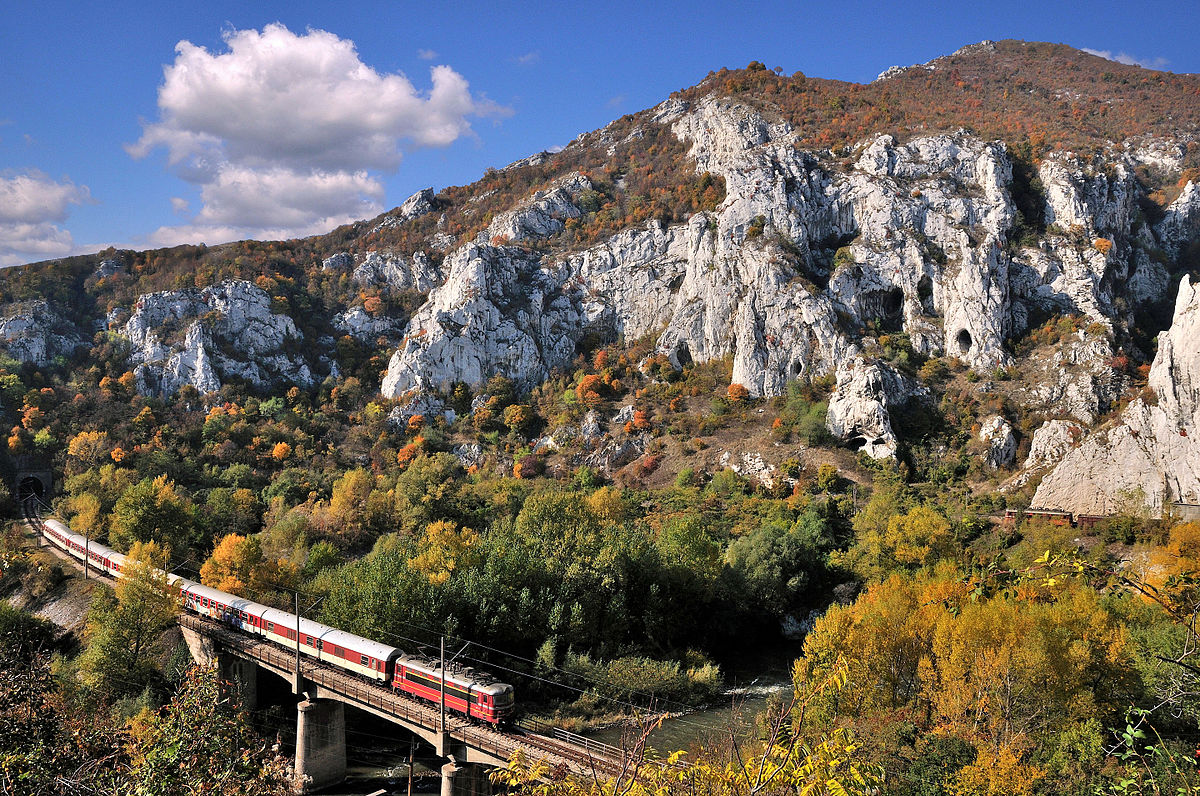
(308, 640)
(364, 660)
(270, 627)
(338, 651)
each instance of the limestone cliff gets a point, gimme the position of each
(807, 253)
(1150, 454)
(33, 332)
(198, 337)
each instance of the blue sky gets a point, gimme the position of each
(143, 124)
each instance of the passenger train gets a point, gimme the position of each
(468, 691)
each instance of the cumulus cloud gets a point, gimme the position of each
(31, 208)
(282, 130)
(1126, 58)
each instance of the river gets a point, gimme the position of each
(737, 711)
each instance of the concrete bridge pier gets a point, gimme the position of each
(320, 744)
(465, 779)
(242, 674)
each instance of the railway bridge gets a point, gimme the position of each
(469, 748)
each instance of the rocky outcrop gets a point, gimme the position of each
(198, 337)
(1181, 223)
(1077, 379)
(542, 215)
(803, 254)
(363, 326)
(1052, 441)
(861, 404)
(33, 332)
(413, 207)
(396, 272)
(999, 442)
(1150, 455)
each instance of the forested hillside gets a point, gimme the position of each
(751, 375)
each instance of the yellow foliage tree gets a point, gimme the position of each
(238, 566)
(443, 548)
(89, 446)
(997, 773)
(920, 537)
(995, 669)
(88, 518)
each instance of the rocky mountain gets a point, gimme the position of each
(799, 228)
(1148, 455)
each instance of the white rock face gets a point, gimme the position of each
(751, 465)
(859, 409)
(542, 215)
(396, 272)
(361, 325)
(1152, 452)
(1181, 222)
(1052, 441)
(1000, 443)
(337, 262)
(1076, 380)
(806, 252)
(33, 332)
(227, 329)
(414, 206)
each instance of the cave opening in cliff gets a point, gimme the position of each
(925, 295)
(886, 307)
(683, 355)
(964, 341)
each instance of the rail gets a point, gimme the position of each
(575, 739)
(557, 746)
(590, 755)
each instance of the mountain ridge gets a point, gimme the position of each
(800, 228)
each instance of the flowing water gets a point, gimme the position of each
(736, 713)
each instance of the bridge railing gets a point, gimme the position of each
(377, 697)
(589, 745)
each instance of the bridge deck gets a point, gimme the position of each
(561, 756)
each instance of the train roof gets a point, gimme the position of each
(225, 598)
(91, 544)
(340, 638)
(350, 641)
(466, 676)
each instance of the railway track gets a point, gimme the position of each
(562, 756)
(583, 757)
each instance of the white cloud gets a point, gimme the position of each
(31, 208)
(282, 130)
(529, 58)
(1126, 58)
(282, 198)
(179, 204)
(426, 55)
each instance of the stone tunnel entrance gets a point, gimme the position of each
(30, 486)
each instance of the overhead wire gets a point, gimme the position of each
(487, 663)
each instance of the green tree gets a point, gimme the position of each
(125, 624)
(153, 511)
(202, 743)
